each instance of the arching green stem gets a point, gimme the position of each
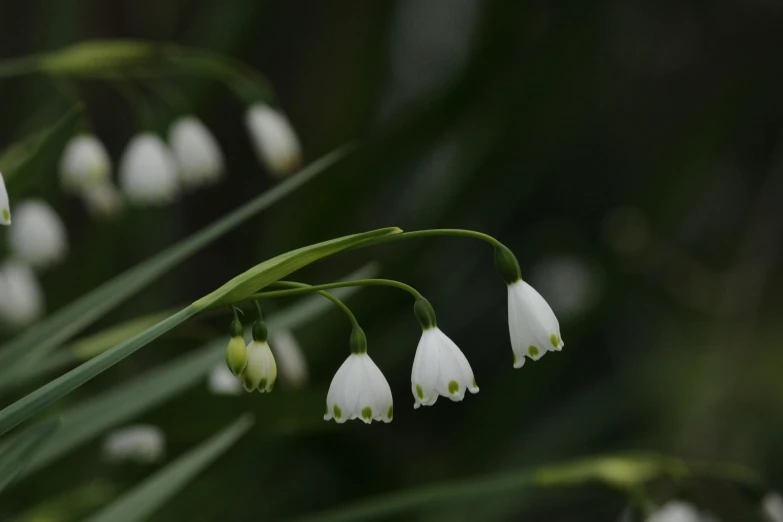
(433, 232)
(301, 288)
(304, 289)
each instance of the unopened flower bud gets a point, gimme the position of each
(236, 351)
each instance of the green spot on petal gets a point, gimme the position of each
(453, 387)
(262, 384)
(420, 392)
(533, 351)
(555, 340)
(366, 412)
(6, 215)
(390, 413)
(338, 413)
(474, 383)
(515, 357)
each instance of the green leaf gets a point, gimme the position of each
(17, 455)
(615, 471)
(261, 275)
(98, 58)
(39, 340)
(144, 499)
(131, 398)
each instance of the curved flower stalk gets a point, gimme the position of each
(38, 235)
(197, 152)
(141, 443)
(274, 139)
(439, 366)
(5, 207)
(21, 297)
(359, 390)
(148, 171)
(84, 164)
(532, 324)
(291, 360)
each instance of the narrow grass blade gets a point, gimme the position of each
(68, 321)
(16, 456)
(144, 499)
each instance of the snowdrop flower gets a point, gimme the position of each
(531, 322)
(38, 235)
(260, 371)
(275, 141)
(5, 208)
(222, 382)
(676, 511)
(236, 351)
(197, 152)
(21, 298)
(290, 357)
(84, 163)
(439, 367)
(772, 507)
(103, 200)
(141, 443)
(148, 171)
(359, 390)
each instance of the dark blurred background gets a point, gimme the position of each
(629, 152)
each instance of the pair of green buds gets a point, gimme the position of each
(253, 363)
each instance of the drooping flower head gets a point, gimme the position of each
(274, 139)
(5, 207)
(290, 358)
(141, 443)
(359, 390)
(439, 367)
(197, 152)
(38, 235)
(148, 171)
(21, 297)
(84, 163)
(532, 324)
(260, 372)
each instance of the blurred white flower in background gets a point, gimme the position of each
(148, 171)
(84, 163)
(38, 235)
(772, 507)
(140, 443)
(571, 285)
(679, 511)
(21, 298)
(197, 152)
(5, 207)
(291, 361)
(222, 382)
(274, 139)
(103, 200)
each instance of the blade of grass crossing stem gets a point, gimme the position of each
(146, 498)
(131, 398)
(68, 321)
(240, 287)
(16, 456)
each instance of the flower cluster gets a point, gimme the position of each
(359, 389)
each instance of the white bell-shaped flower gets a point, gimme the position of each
(274, 139)
(359, 390)
(772, 507)
(21, 297)
(148, 171)
(532, 324)
(222, 382)
(141, 443)
(676, 511)
(5, 207)
(260, 372)
(197, 152)
(291, 362)
(84, 163)
(440, 368)
(38, 235)
(103, 200)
